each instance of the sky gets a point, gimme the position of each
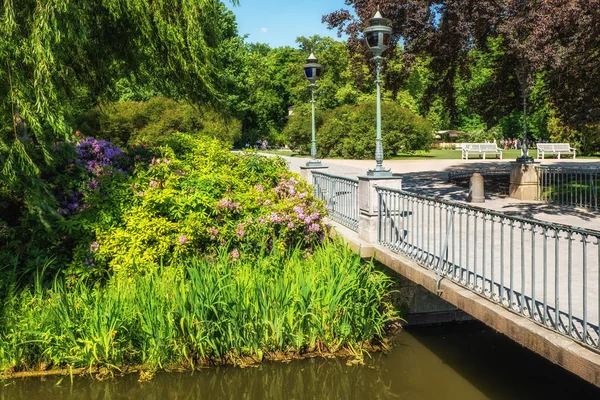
(280, 22)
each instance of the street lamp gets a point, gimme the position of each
(377, 35)
(312, 71)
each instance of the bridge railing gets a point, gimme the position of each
(545, 272)
(340, 195)
(573, 186)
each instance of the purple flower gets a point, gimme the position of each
(94, 247)
(240, 231)
(314, 228)
(259, 188)
(153, 184)
(290, 225)
(235, 254)
(261, 220)
(228, 204)
(275, 218)
(213, 231)
(182, 239)
(95, 155)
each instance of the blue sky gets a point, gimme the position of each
(280, 22)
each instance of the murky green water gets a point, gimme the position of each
(459, 361)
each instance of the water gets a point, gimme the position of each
(457, 361)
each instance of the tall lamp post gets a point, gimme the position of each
(378, 35)
(312, 71)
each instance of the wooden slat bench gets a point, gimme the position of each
(554, 148)
(480, 148)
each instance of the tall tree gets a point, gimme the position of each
(55, 51)
(557, 37)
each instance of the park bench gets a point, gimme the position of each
(554, 148)
(480, 148)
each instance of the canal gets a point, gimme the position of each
(464, 361)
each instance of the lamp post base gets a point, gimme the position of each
(525, 160)
(314, 164)
(380, 173)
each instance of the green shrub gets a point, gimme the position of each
(298, 131)
(349, 131)
(129, 123)
(586, 139)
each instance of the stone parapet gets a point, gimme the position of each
(368, 204)
(306, 171)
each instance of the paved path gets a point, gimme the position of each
(429, 177)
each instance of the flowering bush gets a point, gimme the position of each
(129, 210)
(96, 155)
(195, 201)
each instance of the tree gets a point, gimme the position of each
(557, 38)
(66, 55)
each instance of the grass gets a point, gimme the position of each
(199, 312)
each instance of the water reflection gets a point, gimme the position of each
(463, 362)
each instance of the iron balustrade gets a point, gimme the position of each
(340, 195)
(545, 272)
(573, 186)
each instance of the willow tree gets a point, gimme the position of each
(55, 52)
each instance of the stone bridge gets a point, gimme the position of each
(528, 270)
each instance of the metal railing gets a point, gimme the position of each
(340, 195)
(573, 186)
(545, 272)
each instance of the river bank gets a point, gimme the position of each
(465, 361)
(204, 312)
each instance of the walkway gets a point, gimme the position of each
(429, 177)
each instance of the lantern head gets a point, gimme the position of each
(377, 34)
(312, 70)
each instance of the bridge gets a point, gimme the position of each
(528, 270)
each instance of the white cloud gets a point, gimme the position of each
(264, 30)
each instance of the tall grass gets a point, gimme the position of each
(201, 311)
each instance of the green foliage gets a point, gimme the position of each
(149, 207)
(298, 130)
(483, 135)
(59, 56)
(200, 311)
(349, 131)
(272, 75)
(129, 123)
(586, 139)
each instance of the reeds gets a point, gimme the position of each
(198, 312)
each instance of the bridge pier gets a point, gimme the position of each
(421, 307)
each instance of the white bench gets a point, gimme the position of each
(554, 148)
(480, 148)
